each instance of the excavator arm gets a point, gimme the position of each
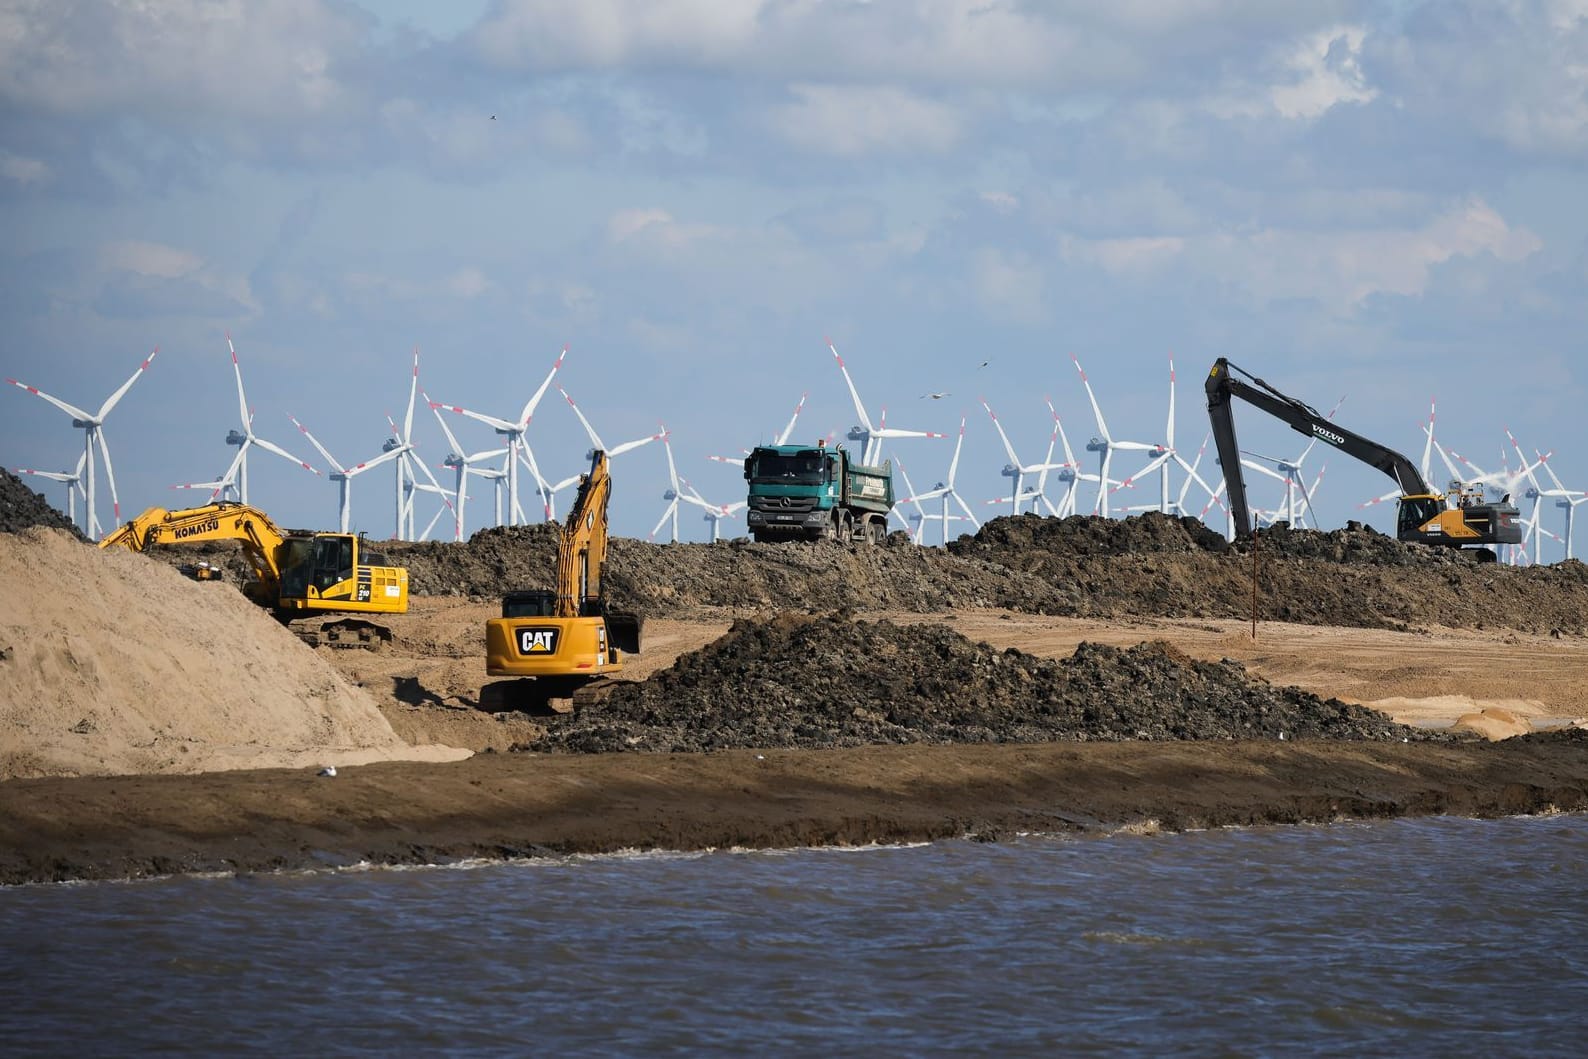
(583, 547)
(260, 537)
(1222, 385)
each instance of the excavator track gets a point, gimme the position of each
(347, 633)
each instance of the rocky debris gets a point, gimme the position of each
(819, 681)
(22, 508)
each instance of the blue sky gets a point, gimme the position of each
(1381, 201)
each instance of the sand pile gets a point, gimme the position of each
(830, 681)
(111, 663)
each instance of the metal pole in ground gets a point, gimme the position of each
(1255, 533)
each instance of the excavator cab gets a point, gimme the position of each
(1416, 512)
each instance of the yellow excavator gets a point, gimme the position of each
(296, 575)
(562, 645)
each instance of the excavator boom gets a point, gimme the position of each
(295, 574)
(1423, 516)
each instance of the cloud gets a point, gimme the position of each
(852, 120)
(1327, 71)
(24, 172)
(468, 283)
(183, 57)
(1008, 286)
(136, 280)
(1344, 269)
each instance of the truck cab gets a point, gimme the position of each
(799, 492)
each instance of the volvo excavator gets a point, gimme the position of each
(1458, 519)
(296, 575)
(562, 645)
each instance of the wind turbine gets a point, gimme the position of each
(462, 465)
(944, 491)
(1505, 482)
(1104, 445)
(715, 513)
(871, 437)
(518, 449)
(1016, 470)
(342, 476)
(673, 493)
(1565, 499)
(92, 424)
(596, 443)
(235, 480)
(913, 524)
(409, 466)
(73, 480)
(1013, 469)
(1535, 492)
(1165, 454)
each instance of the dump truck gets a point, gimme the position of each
(1456, 519)
(296, 575)
(563, 644)
(800, 492)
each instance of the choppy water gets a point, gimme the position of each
(1422, 937)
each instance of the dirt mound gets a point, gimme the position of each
(113, 664)
(831, 681)
(1087, 567)
(21, 508)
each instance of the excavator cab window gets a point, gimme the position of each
(1416, 511)
(333, 561)
(297, 567)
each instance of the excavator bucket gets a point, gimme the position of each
(624, 629)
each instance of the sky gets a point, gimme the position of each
(1375, 201)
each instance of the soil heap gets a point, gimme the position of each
(1084, 566)
(832, 681)
(22, 508)
(111, 664)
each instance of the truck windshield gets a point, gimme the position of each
(802, 468)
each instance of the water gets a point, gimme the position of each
(1433, 936)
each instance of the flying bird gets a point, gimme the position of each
(935, 396)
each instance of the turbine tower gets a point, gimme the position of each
(92, 425)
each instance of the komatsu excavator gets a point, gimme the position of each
(563, 644)
(296, 575)
(1458, 519)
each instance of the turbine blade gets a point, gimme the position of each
(70, 409)
(534, 402)
(110, 402)
(316, 443)
(860, 409)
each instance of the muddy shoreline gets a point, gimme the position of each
(518, 805)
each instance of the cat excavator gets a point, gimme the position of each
(296, 575)
(1458, 519)
(562, 645)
